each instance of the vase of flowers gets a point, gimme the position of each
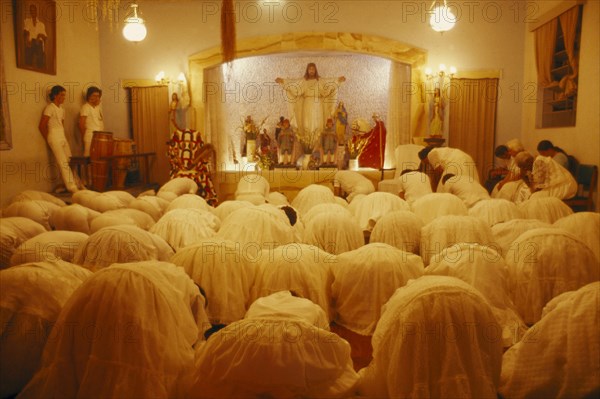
(250, 131)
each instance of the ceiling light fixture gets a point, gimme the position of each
(134, 29)
(442, 19)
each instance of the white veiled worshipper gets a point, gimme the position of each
(495, 210)
(189, 201)
(37, 210)
(376, 205)
(121, 244)
(284, 305)
(31, 298)
(515, 191)
(333, 232)
(225, 274)
(225, 208)
(469, 191)
(449, 230)
(413, 185)
(273, 358)
(312, 195)
(302, 269)
(585, 226)
(186, 226)
(177, 187)
(29, 195)
(434, 205)
(99, 202)
(455, 161)
(558, 358)
(546, 209)
(294, 219)
(353, 183)
(123, 197)
(342, 202)
(400, 229)
(13, 232)
(433, 341)
(130, 216)
(73, 217)
(254, 188)
(278, 199)
(365, 279)
(548, 177)
(546, 263)
(257, 227)
(49, 246)
(153, 206)
(485, 269)
(506, 233)
(129, 331)
(334, 208)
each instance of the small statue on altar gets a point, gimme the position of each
(264, 142)
(278, 127)
(329, 142)
(436, 126)
(285, 142)
(341, 123)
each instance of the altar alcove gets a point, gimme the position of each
(382, 77)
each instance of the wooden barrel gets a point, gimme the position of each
(121, 165)
(102, 146)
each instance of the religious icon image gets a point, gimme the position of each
(35, 32)
(329, 142)
(436, 124)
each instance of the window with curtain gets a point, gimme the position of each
(557, 44)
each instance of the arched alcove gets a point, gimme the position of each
(330, 44)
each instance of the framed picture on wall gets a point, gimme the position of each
(35, 35)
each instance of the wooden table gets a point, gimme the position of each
(81, 165)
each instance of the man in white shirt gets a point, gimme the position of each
(468, 191)
(90, 118)
(35, 39)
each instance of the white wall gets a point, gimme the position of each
(488, 36)
(582, 140)
(28, 164)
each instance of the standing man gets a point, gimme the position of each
(52, 128)
(90, 118)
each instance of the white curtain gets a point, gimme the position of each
(215, 129)
(398, 121)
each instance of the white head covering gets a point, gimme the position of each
(546, 263)
(376, 205)
(584, 225)
(227, 207)
(300, 268)
(128, 332)
(437, 338)
(558, 357)
(186, 226)
(312, 195)
(515, 145)
(224, 272)
(485, 269)
(31, 298)
(276, 358)
(546, 209)
(364, 280)
(73, 217)
(333, 232)
(117, 244)
(431, 206)
(49, 246)
(400, 229)
(495, 210)
(506, 233)
(13, 232)
(189, 201)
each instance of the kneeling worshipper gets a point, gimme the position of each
(470, 192)
(128, 332)
(450, 160)
(558, 356)
(433, 341)
(413, 185)
(277, 351)
(545, 177)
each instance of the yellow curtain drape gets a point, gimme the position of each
(568, 24)
(398, 119)
(472, 120)
(545, 42)
(150, 122)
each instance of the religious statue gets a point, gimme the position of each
(436, 125)
(329, 142)
(311, 100)
(285, 142)
(373, 153)
(341, 123)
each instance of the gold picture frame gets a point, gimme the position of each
(35, 35)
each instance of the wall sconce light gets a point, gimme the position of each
(134, 29)
(160, 78)
(441, 19)
(441, 73)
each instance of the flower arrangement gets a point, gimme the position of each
(250, 128)
(360, 136)
(308, 140)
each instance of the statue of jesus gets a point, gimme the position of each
(311, 100)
